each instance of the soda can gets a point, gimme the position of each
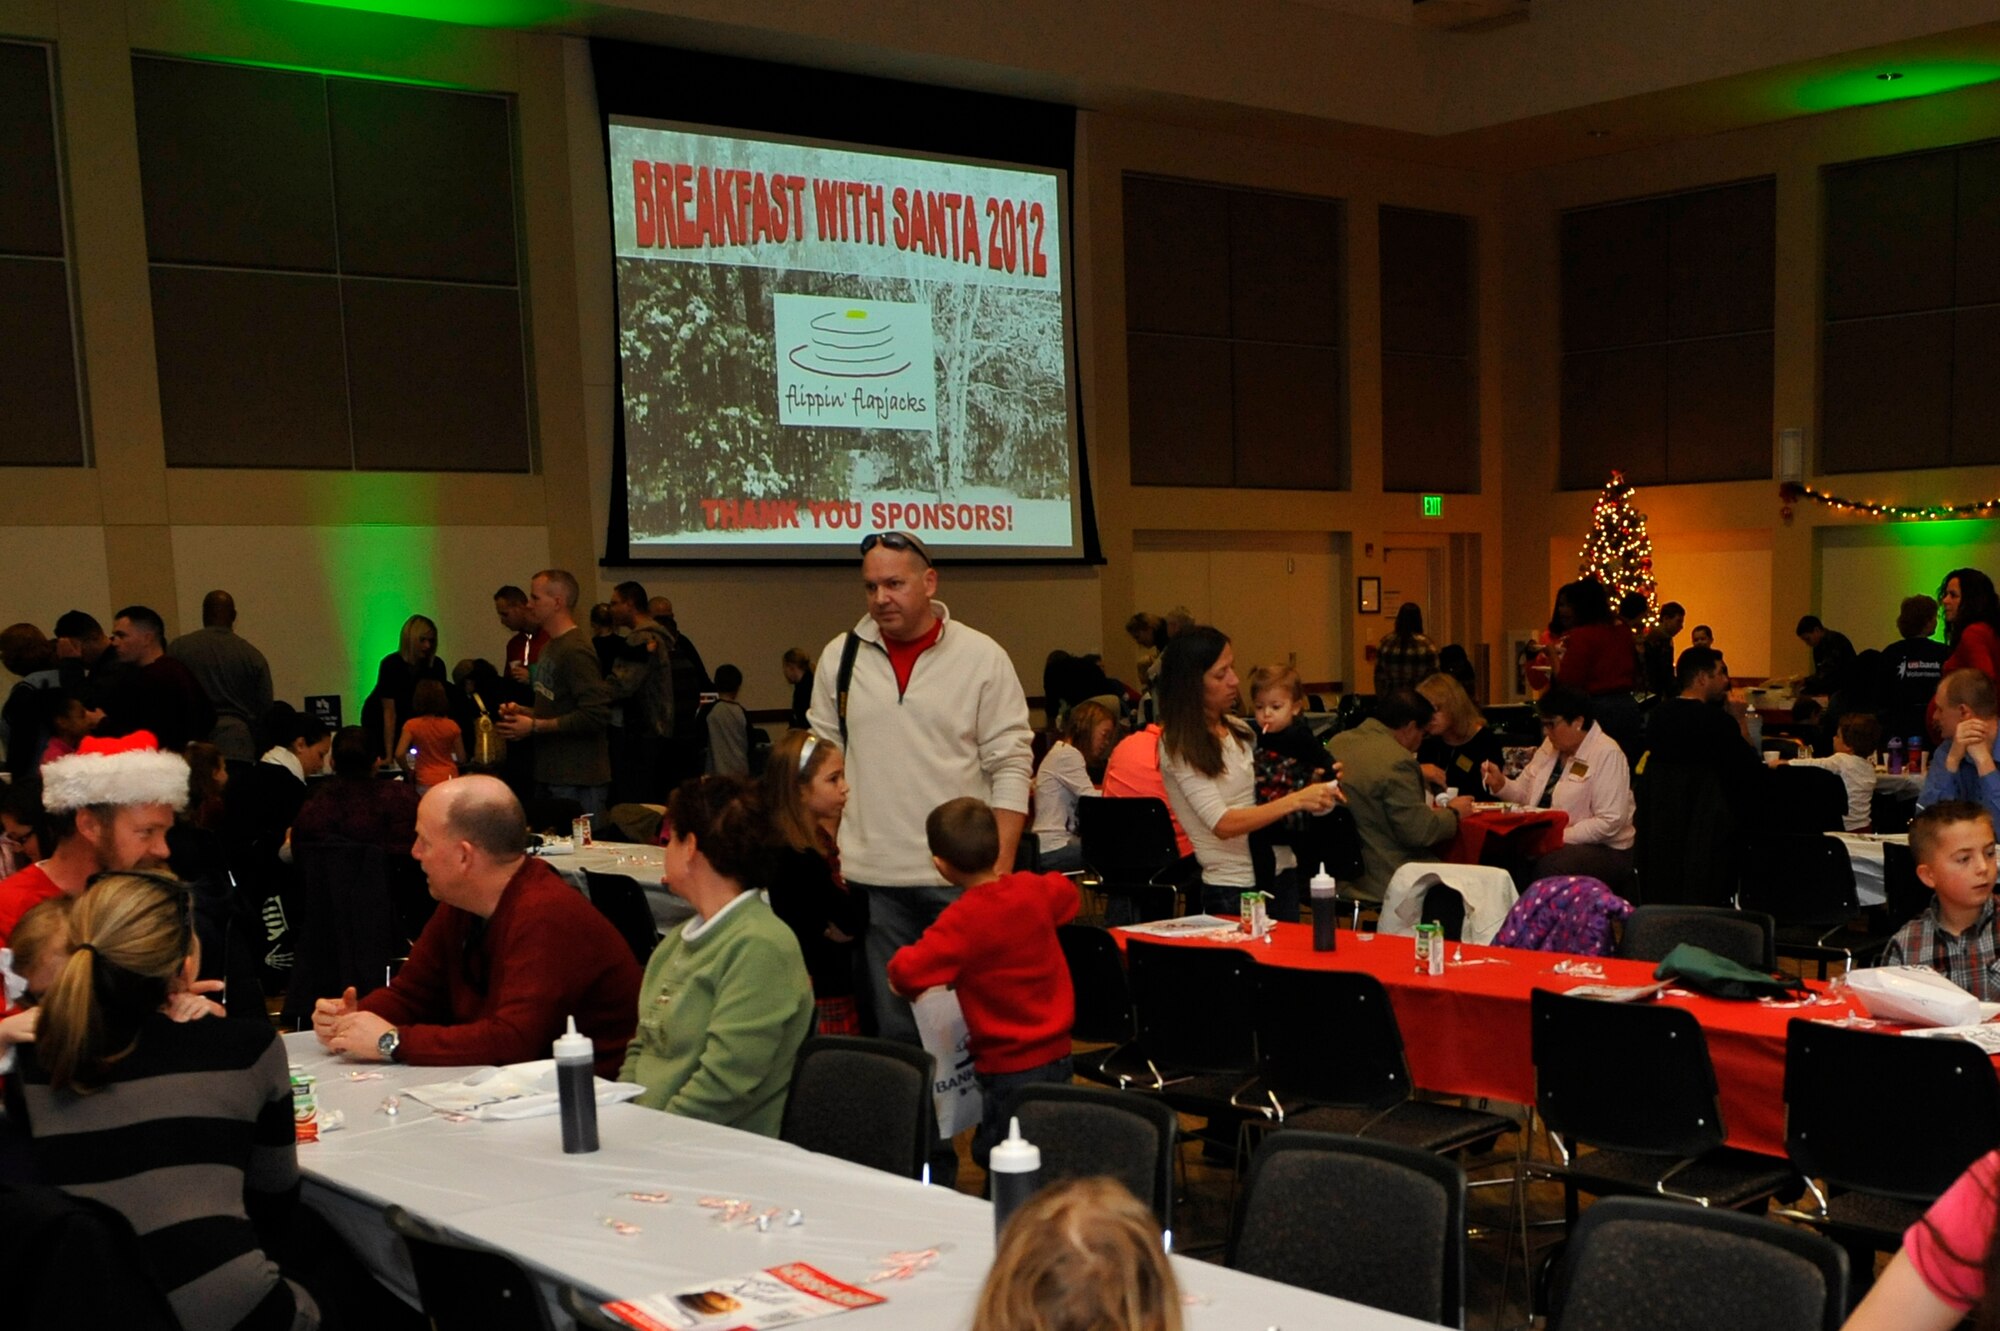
(305, 1106)
(580, 830)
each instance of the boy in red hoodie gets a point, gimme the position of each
(997, 945)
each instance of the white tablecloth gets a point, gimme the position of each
(509, 1185)
(642, 864)
(1864, 852)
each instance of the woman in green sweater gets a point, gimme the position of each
(726, 1001)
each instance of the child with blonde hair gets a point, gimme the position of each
(1081, 1255)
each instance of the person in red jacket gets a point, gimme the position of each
(997, 944)
(512, 953)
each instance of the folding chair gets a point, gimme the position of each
(1805, 882)
(1085, 1130)
(1644, 1264)
(1128, 844)
(1355, 1219)
(466, 1286)
(1881, 1125)
(1748, 937)
(864, 1101)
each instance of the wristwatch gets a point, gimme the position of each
(386, 1046)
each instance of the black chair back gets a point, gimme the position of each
(60, 1249)
(1126, 840)
(1623, 1076)
(1648, 1264)
(623, 902)
(1328, 1038)
(1193, 1006)
(1086, 1130)
(1802, 799)
(1748, 937)
(1872, 1112)
(1356, 1219)
(1906, 892)
(1128, 843)
(1687, 847)
(864, 1101)
(467, 1286)
(555, 817)
(344, 922)
(1891, 814)
(1801, 878)
(1097, 976)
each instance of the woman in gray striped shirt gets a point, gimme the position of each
(184, 1128)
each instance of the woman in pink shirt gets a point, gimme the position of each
(1939, 1278)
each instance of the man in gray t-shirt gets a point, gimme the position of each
(234, 675)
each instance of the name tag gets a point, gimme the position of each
(1464, 764)
(1579, 770)
(544, 691)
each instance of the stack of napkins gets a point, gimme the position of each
(519, 1090)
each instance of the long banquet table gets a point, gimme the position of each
(508, 1184)
(1467, 1032)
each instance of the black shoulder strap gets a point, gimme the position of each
(844, 678)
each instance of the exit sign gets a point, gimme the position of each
(1433, 506)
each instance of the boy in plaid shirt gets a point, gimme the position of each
(1956, 936)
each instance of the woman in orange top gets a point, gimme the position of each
(431, 746)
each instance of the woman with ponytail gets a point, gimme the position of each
(184, 1127)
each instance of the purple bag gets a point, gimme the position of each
(1572, 913)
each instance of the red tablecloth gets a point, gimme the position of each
(1475, 827)
(1467, 1031)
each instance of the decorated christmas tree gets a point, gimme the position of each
(1618, 553)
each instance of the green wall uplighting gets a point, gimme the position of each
(1862, 87)
(477, 13)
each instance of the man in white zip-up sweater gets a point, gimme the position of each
(935, 710)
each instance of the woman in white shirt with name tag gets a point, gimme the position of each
(1582, 771)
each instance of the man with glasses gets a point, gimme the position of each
(928, 709)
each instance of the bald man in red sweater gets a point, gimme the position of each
(997, 944)
(511, 954)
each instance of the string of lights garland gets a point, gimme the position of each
(1793, 491)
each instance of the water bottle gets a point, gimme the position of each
(1754, 724)
(1015, 1168)
(576, 1087)
(1916, 758)
(1326, 911)
(1896, 757)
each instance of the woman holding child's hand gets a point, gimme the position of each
(1208, 767)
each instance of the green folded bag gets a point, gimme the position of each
(1705, 972)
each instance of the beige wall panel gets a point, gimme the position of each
(62, 568)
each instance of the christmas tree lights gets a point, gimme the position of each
(1618, 552)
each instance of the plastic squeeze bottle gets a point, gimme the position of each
(576, 1087)
(1326, 910)
(1016, 1170)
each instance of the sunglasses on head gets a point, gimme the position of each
(897, 541)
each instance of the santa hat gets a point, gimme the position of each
(128, 770)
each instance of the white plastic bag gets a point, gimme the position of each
(941, 1024)
(1915, 995)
